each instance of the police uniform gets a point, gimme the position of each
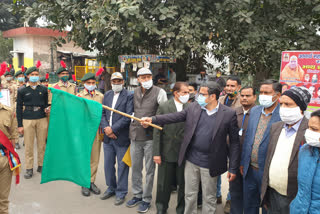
(12, 86)
(95, 152)
(33, 120)
(8, 125)
(64, 86)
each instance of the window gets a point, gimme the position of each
(20, 59)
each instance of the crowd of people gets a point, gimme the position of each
(270, 151)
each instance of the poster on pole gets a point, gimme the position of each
(302, 68)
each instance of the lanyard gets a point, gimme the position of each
(227, 100)
(244, 117)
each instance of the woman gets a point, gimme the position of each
(307, 200)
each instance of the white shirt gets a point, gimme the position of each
(278, 171)
(179, 105)
(213, 111)
(162, 96)
(114, 101)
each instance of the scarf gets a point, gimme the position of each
(13, 157)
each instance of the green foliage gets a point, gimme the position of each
(252, 33)
(6, 45)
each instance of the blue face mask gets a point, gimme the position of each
(64, 78)
(21, 79)
(34, 78)
(202, 101)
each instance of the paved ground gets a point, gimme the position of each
(62, 197)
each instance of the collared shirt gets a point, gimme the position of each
(293, 129)
(265, 114)
(179, 106)
(213, 111)
(114, 101)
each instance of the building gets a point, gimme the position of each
(31, 44)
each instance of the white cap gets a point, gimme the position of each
(116, 75)
(144, 71)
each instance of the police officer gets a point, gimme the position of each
(63, 83)
(32, 121)
(11, 85)
(89, 92)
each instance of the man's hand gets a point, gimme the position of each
(157, 159)
(241, 170)
(231, 176)
(112, 136)
(108, 130)
(20, 130)
(145, 121)
(47, 110)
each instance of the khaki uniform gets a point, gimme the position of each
(95, 153)
(69, 87)
(12, 86)
(8, 125)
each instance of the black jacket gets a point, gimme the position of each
(226, 121)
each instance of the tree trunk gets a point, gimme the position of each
(181, 68)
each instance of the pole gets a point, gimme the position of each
(130, 116)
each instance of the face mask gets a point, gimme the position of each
(202, 101)
(233, 94)
(266, 100)
(218, 75)
(312, 138)
(34, 78)
(117, 88)
(21, 79)
(290, 115)
(192, 96)
(64, 78)
(90, 87)
(9, 78)
(184, 99)
(147, 85)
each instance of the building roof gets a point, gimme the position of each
(33, 31)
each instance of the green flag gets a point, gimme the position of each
(74, 122)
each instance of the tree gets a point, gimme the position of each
(252, 33)
(9, 19)
(114, 27)
(6, 45)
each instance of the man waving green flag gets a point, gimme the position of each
(74, 122)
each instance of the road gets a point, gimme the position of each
(63, 197)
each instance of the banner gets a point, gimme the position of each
(302, 68)
(146, 58)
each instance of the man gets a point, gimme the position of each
(19, 75)
(63, 83)
(44, 81)
(32, 120)
(207, 125)
(279, 184)
(147, 98)
(192, 91)
(89, 92)
(254, 148)
(8, 134)
(116, 139)
(11, 85)
(166, 146)
(232, 98)
(247, 101)
(172, 77)
(219, 79)
(292, 72)
(202, 78)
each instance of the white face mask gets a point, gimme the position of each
(147, 85)
(312, 138)
(184, 99)
(266, 100)
(117, 88)
(9, 78)
(290, 115)
(90, 87)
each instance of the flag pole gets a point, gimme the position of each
(130, 116)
